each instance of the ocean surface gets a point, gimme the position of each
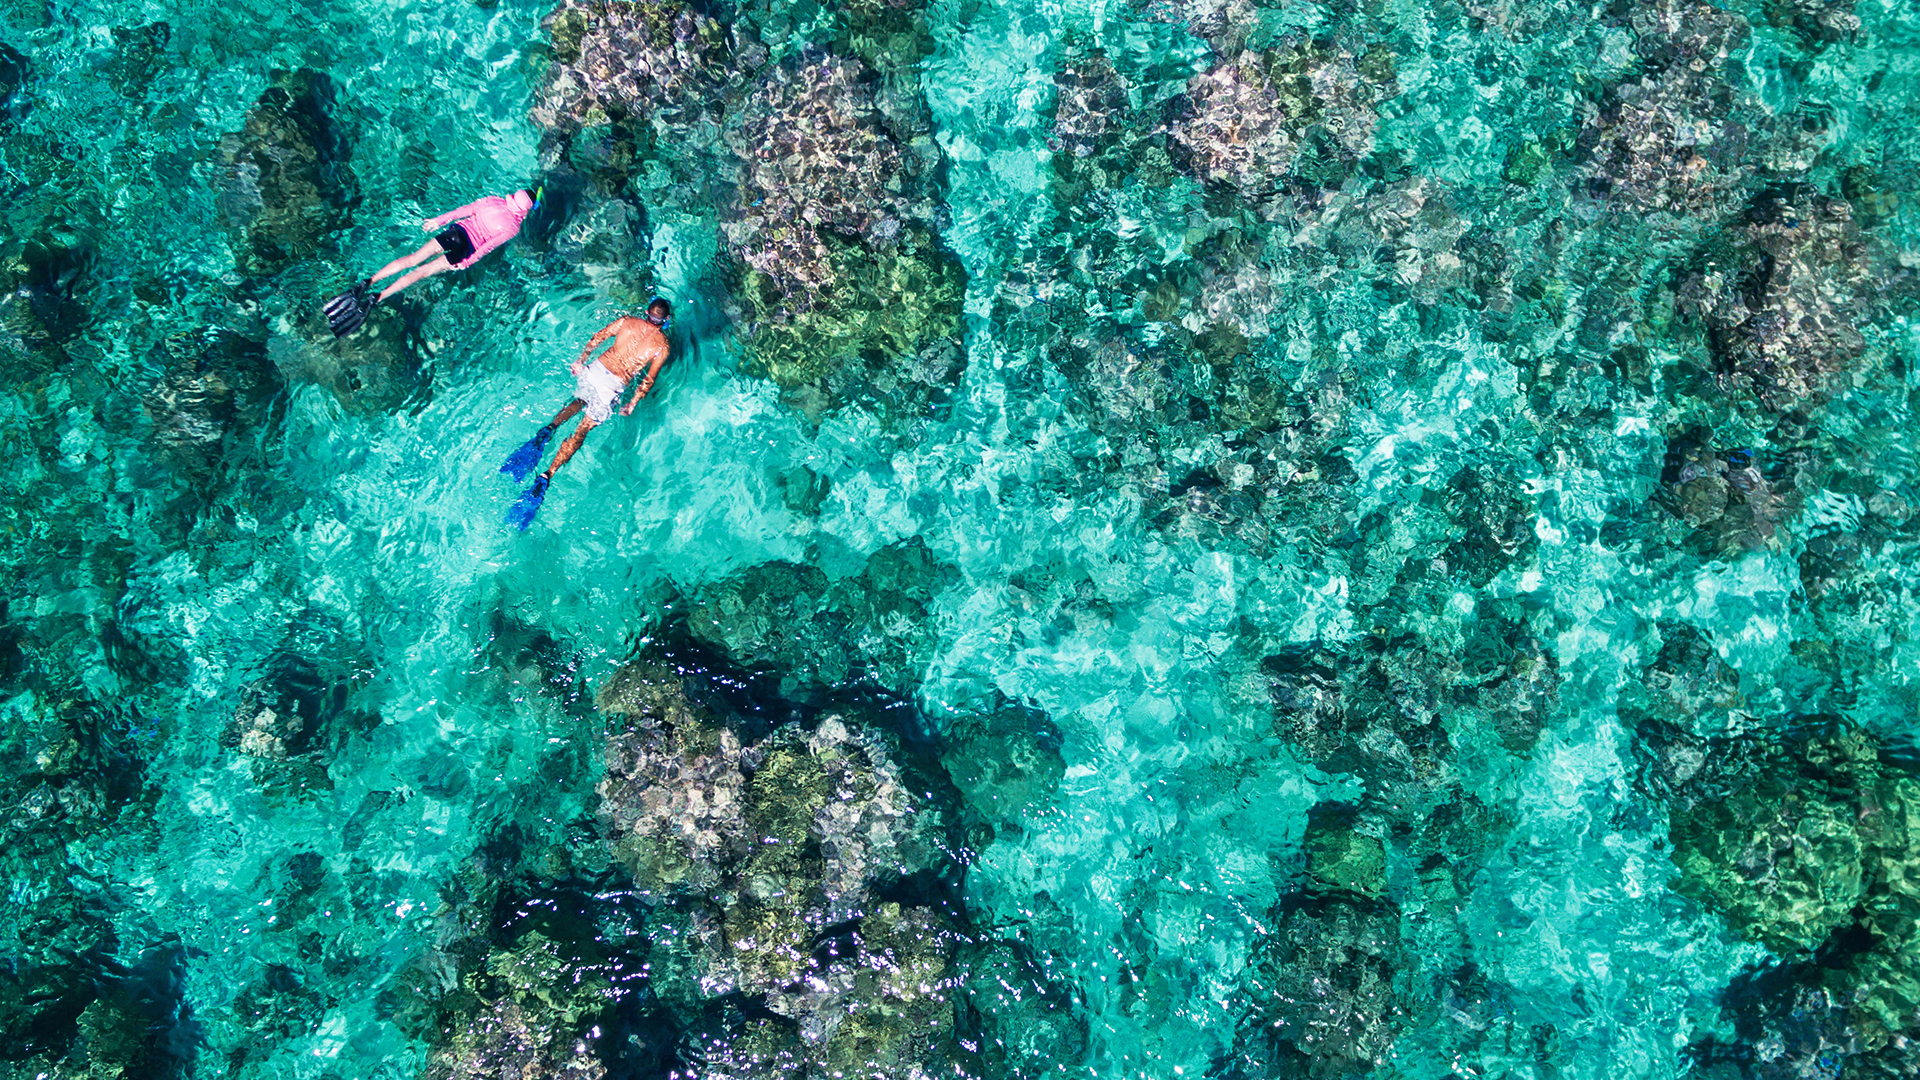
(1198, 538)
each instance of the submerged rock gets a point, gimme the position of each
(216, 389)
(285, 181)
(293, 718)
(534, 1006)
(1722, 494)
(1807, 844)
(40, 311)
(1384, 709)
(1786, 841)
(137, 1023)
(376, 369)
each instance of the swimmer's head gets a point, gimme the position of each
(660, 313)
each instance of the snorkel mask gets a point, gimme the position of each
(666, 324)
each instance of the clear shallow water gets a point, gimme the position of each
(1097, 571)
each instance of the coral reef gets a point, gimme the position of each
(1327, 976)
(821, 156)
(136, 1021)
(1781, 311)
(1244, 122)
(374, 370)
(533, 1006)
(1722, 494)
(818, 632)
(654, 62)
(834, 222)
(293, 718)
(1384, 709)
(1785, 840)
(285, 181)
(217, 388)
(1819, 22)
(39, 308)
(1806, 844)
(883, 327)
(1668, 140)
(845, 291)
(1099, 140)
(781, 845)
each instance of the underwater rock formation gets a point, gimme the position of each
(1788, 840)
(374, 370)
(1383, 708)
(1244, 122)
(73, 781)
(285, 180)
(819, 156)
(1098, 139)
(1668, 140)
(821, 633)
(1781, 311)
(1818, 22)
(293, 718)
(533, 1008)
(138, 1022)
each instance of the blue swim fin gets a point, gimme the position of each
(520, 514)
(524, 460)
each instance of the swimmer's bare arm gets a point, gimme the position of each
(606, 332)
(658, 358)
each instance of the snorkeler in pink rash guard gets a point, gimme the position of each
(477, 228)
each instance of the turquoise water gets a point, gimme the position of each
(1393, 555)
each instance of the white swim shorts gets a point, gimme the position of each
(598, 389)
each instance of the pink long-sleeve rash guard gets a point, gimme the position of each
(489, 222)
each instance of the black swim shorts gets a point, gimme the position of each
(456, 243)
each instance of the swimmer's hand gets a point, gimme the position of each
(627, 409)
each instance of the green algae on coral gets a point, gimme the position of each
(880, 328)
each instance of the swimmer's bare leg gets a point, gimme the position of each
(437, 266)
(565, 414)
(567, 448)
(427, 251)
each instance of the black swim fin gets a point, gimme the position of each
(348, 311)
